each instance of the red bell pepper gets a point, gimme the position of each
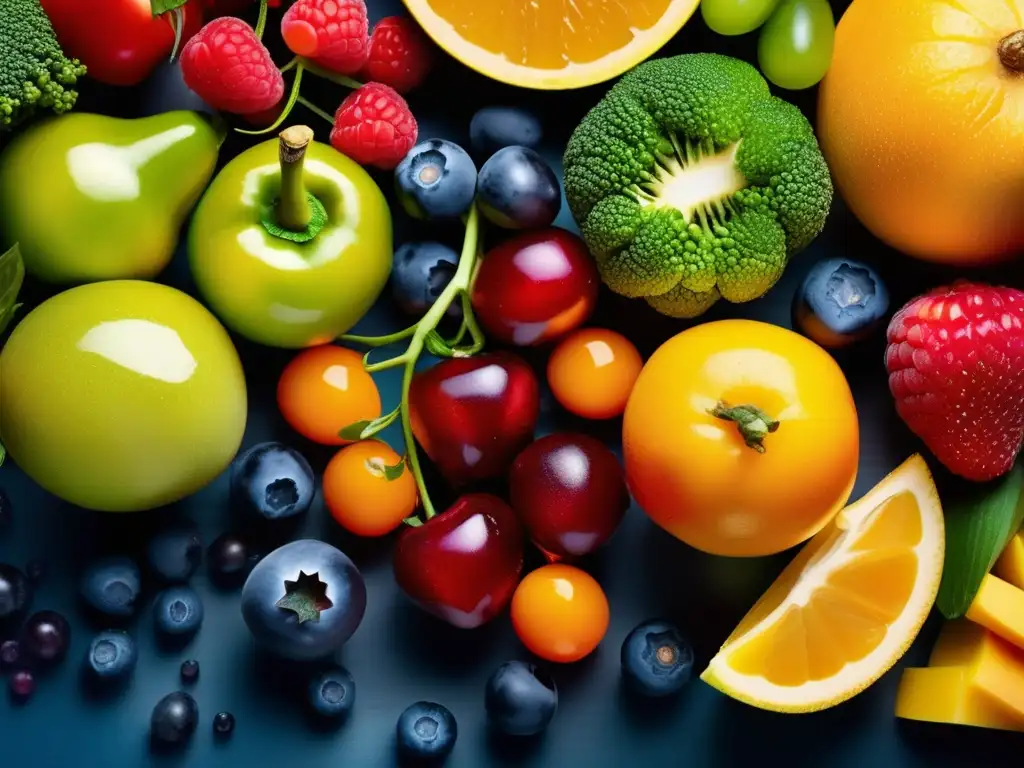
(119, 41)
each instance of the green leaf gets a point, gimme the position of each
(354, 431)
(980, 519)
(12, 274)
(394, 471)
(163, 6)
(361, 430)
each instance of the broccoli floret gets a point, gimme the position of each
(691, 182)
(34, 72)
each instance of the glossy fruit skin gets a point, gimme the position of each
(230, 558)
(189, 671)
(46, 637)
(178, 611)
(175, 553)
(436, 180)
(323, 390)
(121, 396)
(795, 46)
(657, 659)
(463, 564)
(273, 481)
(174, 719)
(15, 596)
(278, 629)
(112, 586)
(123, 188)
(535, 287)
(560, 613)
(284, 294)
(520, 699)
(473, 415)
(426, 731)
(684, 466)
(223, 724)
(736, 17)
(517, 189)
(592, 372)
(22, 685)
(358, 493)
(840, 302)
(494, 128)
(570, 492)
(877, 119)
(332, 694)
(112, 655)
(421, 273)
(10, 655)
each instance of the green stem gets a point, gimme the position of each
(384, 365)
(753, 423)
(475, 332)
(290, 65)
(379, 341)
(334, 77)
(315, 109)
(261, 21)
(292, 209)
(293, 96)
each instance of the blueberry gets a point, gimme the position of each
(518, 190)
(272, 480)
(178, 611)
(333, 693)
(230, 558)
(189, 671)
(15, 595)
(112, 654)
(426, 731)
(223, 724)
(494, 128)
(175, 553)
(839, 302)
(174, 719)
(520, 699)
(656, 659)
(111, 586)
(165, 91)
(436, 180)
(420, 274)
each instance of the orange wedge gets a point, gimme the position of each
(551, 44)
(847, 607)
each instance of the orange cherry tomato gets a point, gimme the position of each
(324, 389)
(358, 493)
(559, 612)
(592, 371)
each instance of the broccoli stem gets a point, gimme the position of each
(1011, 51)
(752, 423)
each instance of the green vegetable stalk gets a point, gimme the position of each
(12, 274)
(691, 182)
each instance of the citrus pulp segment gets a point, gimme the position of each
(847, 607)
(551, 44)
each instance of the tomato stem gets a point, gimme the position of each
(752, 423)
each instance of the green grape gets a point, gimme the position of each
(736, 17)
(795, 47)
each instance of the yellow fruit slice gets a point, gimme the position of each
(847, 607)
(551, 44)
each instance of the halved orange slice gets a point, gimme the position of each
(847, 607)
(551, 44)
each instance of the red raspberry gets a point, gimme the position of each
(231, 70)
(374, 127)
(400, 54)
(333, 33)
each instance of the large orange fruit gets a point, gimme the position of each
(921, 119)
(551, 44)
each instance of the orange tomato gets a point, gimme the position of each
(592, 371)
(741, 438)
(560, 613)
(324, 389)
(358, 493)
(921, 120)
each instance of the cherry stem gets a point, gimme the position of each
(292, 98)
(753, 423)
(261, 20)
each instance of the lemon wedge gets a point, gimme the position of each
(847, 607)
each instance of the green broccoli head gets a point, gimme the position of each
(691, 182)
(34, 73)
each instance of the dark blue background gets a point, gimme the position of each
(400, 655)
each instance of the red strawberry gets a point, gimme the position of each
(400, 54)
(374, 127)
(333, 33)
(956, 368)
(227, 65)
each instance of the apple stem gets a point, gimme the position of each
(293, 210)
(753, 423)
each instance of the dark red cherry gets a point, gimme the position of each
(570, 492)
(535, 287)
(462, 565)
(472, 415)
